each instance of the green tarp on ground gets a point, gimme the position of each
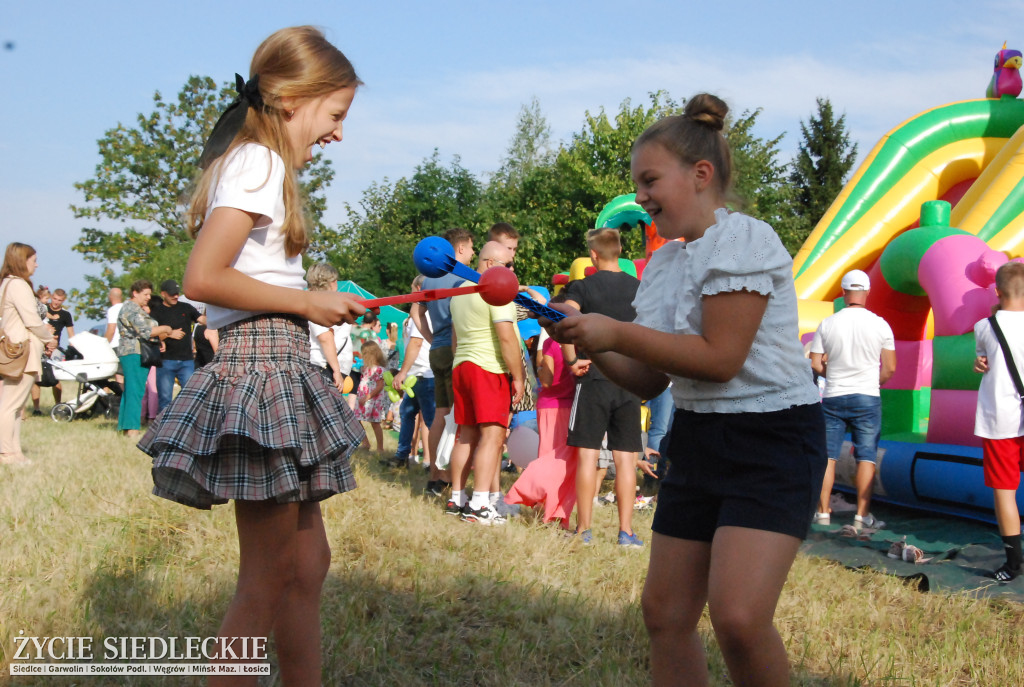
(963, 552)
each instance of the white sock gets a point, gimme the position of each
(459, 498)
(480, 499)
(494, 496)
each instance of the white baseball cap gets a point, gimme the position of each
(856, 280)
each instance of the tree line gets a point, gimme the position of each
(551, 191)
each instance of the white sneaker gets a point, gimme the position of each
(822, 518)
(869, 521)
(484, 516)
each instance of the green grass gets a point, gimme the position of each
(416, 598)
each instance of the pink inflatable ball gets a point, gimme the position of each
(523, 445)
(983, 270)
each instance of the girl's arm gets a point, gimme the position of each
(418, 313)
(213, 337)
(638, 358)
(210, 278)
(378, 386)
(326, 340)
(546, 371)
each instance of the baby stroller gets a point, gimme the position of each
(97, 363)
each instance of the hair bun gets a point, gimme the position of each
(707, 109)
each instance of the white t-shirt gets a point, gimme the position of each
(421, 366)
(342, 344)
(112, 313)
(252, 179)
(999, 413)
(853, 339)
(737, 253)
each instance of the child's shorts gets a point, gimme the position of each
(1002, 462)
(599, 408)
(441, 365)
(761, 471)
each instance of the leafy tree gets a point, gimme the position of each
(374, 247)
(529, 148)
(553, 205)
(819, 170)
(552, 196)
(760, 180)
(141, 187)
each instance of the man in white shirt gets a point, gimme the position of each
(112, 335)
(855, 351)
(416, 364)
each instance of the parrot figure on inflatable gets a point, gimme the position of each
(1006, 80)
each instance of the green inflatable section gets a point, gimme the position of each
(622, 210)
(910, 143)
(900, 259)
(952, 358)
(905, 414)
(1007, 211)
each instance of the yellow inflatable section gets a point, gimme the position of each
(920, 160)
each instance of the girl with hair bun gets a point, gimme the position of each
(716, 315)
(259, 424)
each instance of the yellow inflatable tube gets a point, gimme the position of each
(898, 208)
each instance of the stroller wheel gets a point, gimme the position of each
(62, 412)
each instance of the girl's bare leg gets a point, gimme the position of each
(747, 573)
(297, 628)
(673, 601)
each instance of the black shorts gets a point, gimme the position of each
(757, 470)
(601, 406)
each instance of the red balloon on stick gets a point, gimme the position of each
(498, 286)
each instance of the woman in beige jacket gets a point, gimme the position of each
(20, 320)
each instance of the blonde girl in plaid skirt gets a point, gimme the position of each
(260, 425)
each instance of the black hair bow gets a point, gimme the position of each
(230, 123)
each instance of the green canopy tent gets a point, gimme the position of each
(388, 313)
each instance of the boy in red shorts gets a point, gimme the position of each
(487, 378)
(998, 420)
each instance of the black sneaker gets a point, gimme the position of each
(394, 462)
(1006, 574)
(451, 509)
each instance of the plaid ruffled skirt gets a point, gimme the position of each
(257, 423)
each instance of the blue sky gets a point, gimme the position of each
(454, 75)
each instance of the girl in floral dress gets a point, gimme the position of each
(371, 400)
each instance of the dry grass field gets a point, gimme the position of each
(418, 598)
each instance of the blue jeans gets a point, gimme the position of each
(423, 402)
(863, 414)
(662, 409)
(165, 376)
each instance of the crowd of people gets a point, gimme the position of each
(271, 421)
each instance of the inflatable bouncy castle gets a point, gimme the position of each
(936, 207)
